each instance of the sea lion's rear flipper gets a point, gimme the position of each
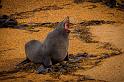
(24, 62)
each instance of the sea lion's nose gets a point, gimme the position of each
(66, 23)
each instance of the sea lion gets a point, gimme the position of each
(54, 48)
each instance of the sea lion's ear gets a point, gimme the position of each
(66, 19)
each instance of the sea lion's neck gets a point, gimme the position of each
(61, 32)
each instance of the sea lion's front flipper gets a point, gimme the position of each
(41, 69)
(47, 62)
(46, 67)
(67, 57)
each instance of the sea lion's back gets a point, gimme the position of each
(33, 50)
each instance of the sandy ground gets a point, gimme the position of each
(12, 40)
(112, 68)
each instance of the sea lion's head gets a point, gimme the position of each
(64, 26)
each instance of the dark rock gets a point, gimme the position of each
(6, 21)
(110, 3)
(78, 1)
(0, 6)
(95, 1)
